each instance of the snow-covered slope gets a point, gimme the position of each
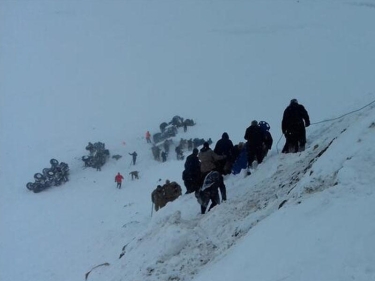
(77, 72)
(298, 216)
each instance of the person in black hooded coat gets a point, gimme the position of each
(224, 146)
(254, 146)
(295, 119)
(192, 173)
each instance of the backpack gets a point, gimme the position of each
(203, 197)
(264, 126)
(210, 179)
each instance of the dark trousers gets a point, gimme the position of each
(191, 186)
(119, 185)
(213, 196)
(295, 141)
(254, 153)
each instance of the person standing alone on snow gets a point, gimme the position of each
(118, 180)
(148, 137)
(134, 155)
(295, 119)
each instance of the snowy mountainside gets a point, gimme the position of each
(183, 242)
(78, 71)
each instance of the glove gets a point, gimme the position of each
(307, 123)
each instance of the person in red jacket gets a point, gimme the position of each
(118, 180)
(148, 137)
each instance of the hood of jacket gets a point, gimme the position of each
(204, 149)
(225, 136)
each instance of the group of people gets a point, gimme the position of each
(204, 169)
(163, 194)
(203, 173)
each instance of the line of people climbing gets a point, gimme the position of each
(204, 169)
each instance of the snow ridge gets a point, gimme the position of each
(280, 182)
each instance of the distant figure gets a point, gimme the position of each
(98, 163)
(134, 155)
(134, 175)
(254, 146)
(164, 156)
(192, 173)
(209, 191)
(148, 137)
(179, 153)
(185, 127)
(118, 180)
(156, 152)
(166, 145)
(295, 119)
(190, 144)
(183, 143)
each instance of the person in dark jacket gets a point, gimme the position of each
(295, 119)
(192, 173)
(166, 145)
(224, 146)
(156, 152)
(134, 155)
(158, 198)
(254, 146)
(209, 191)
(190, 144)
(267, 145)
(164, 156)
(268, 140)
(179, 153)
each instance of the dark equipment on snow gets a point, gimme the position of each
(117, 156)
(98, 155)
(169, 131)
(54, 176)
(177, 121)
(198, 142)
